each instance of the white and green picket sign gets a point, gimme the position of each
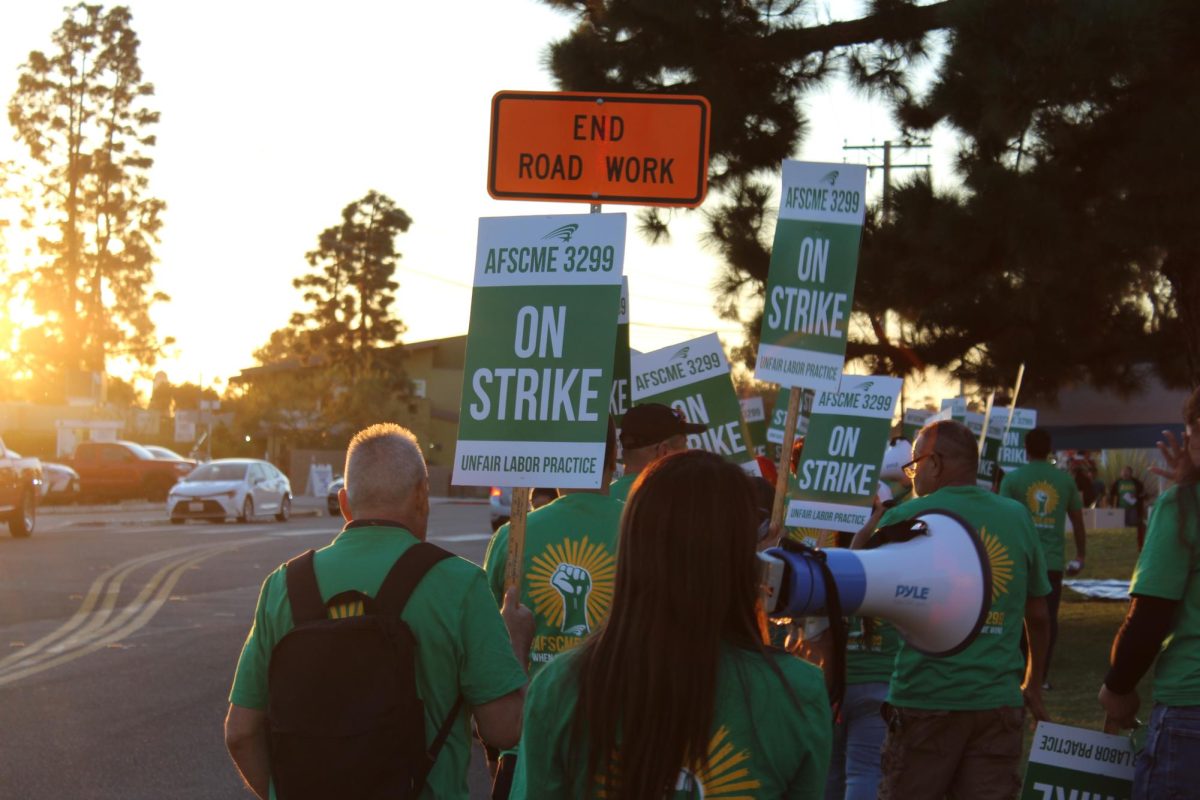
(618, 403)
(913, 420)
(1012, 451)
(539, 364)
(694, 378)
(990, 451)
(777, 426)
(838, 473)
(755, 416)
(957, 406)
(1067, 762)
(810, 285)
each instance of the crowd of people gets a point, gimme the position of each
(634, 660)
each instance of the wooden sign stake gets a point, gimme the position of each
(1012, 407)
(785, 457)
(519, 510)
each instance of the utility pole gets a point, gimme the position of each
(887, 167)
(887, 147)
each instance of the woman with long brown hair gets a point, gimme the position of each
(678, 695)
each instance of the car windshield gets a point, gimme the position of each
(218, 472)
(139, 451)
(162, 452)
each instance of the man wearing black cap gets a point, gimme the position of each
(649, 432)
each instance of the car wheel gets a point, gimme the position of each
(247, 510)
(24, 518)
(177, 520)
(285, 509)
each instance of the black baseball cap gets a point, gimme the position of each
(652, 423)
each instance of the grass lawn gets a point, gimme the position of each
(1085, 633)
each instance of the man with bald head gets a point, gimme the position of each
(466, 664)
(955, 723)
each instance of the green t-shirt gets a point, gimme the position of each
(1127, 493)
(463, 646)
(870, 661)
(570, 567)
(988, 673)
(1168, 569)
(619, 489)
(762, 745)
(1048, 493)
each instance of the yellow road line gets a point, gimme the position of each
(94, 594)
(114, 632)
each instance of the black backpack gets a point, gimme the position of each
(344, 717)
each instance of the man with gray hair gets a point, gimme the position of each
(464, 662)
(954, 723)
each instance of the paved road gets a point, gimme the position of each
(118, 637)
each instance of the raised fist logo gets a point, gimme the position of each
(574, 584)
(1043, 500)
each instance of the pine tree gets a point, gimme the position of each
(349, 289)
(82, 111)
(1070, 244)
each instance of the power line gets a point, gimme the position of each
(888, 166)
(684, 328)
(431, 276)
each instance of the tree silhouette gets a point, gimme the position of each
(349, 289)
(336, 366)
(1070, 243)
(82, 111)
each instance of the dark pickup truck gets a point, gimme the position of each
(20, 486)
(117, 470)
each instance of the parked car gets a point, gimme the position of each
(125, 469)
(241, 488)
(20, 486)
(331, 497)
(60, 483)
(500, 499)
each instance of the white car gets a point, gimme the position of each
(59, 482)
(231, 487)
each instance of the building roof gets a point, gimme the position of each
(1085, 418)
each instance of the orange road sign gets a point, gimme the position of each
(637, 149)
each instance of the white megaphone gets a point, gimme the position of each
(930, 577)
(898, 453)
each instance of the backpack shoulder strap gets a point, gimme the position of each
(405, 574)
(303, 592)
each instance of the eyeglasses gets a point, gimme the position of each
(910, 469)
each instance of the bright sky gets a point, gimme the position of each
(275, 115)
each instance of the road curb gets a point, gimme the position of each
(136, 523)
(109, 508)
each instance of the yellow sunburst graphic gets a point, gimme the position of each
(1042, 499)
(1002, 564)
(813, 536)
(726, 777)
(572, 566)
(727, 774)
